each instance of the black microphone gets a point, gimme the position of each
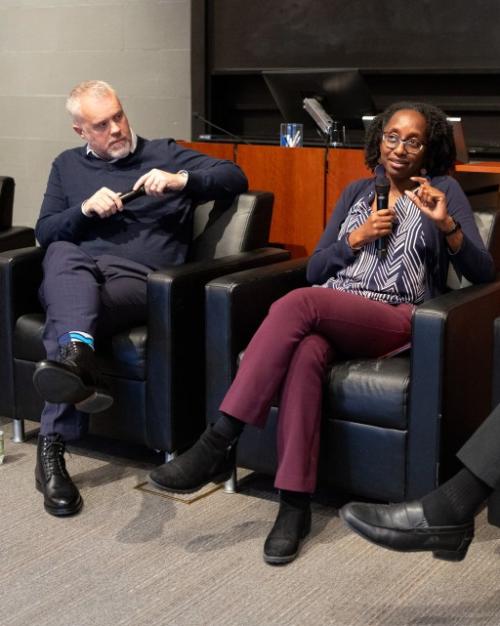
(223, 130)
(382, 186)
(128, 196)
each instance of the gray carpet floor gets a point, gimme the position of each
(132, 558)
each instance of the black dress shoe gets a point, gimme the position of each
(283, 542)
(403, 527)
(74, 379)
(211, 459)
(61, 497)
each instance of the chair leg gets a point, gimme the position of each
(170, 456)
(230, 486)
(18, 435)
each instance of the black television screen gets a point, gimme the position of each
(342, 92)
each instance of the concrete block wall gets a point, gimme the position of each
(141, 47)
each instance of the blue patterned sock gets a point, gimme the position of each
(76, 335)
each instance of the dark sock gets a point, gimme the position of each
(456, 501)
(296, 499)
(228, 427)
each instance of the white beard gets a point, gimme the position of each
(120, 150)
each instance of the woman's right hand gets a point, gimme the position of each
(378, 224)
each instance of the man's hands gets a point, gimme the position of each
(157, 182)
(378, 224)
(103, 203)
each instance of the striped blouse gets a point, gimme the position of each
(397, 278)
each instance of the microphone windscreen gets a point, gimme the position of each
(382, 184)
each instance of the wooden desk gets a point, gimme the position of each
(216, 150)
(484, 167)
(296, 176)
(345, 165)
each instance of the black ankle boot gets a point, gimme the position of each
(291, 526)
(61, 497)
(211, 459)
(73, 379)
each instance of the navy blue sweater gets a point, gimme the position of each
(472, 260)
(153, 231)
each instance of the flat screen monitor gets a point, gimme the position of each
(458, 136)
(343, 94)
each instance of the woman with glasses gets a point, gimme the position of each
(361, 304)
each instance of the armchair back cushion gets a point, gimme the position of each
(7, 186)
(11, 237)
(219, 231)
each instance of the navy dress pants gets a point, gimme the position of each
(481, 455)
(99, 296)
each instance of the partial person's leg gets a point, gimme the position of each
(299, 422)
(103, 296)
(70, 294)
(481, 453)
(443, 520)
(70, 289)
(110, 295)
(335, 315)
(354, 325)
(123, 295)
(60, 418)
(264, 366)
(299, 418)
(58, 423)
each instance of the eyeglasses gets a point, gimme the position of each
(412, 145)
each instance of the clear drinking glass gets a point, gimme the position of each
(291, 135)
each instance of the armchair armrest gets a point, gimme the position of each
(235, 305)
(20, 277)
(451, 365)
(16, 237)
(176, 330)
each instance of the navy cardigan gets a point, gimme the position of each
(472, 261)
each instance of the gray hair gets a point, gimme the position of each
(97, 88)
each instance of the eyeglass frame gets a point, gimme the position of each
(405, 142)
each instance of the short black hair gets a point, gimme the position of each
(440, 152)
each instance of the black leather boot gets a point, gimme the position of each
(291, 526)
(74, 379)
(211, 459)
(61, 497)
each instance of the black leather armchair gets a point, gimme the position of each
(156, 371)
(11, 237)
(390, 426)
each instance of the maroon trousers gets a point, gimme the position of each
(289, 355)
